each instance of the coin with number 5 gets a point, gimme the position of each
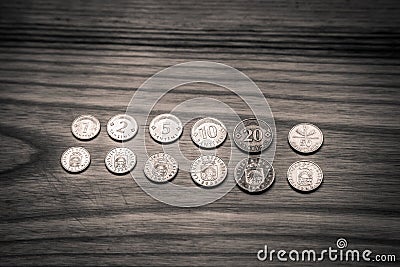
(165, 128)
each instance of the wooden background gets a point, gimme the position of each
(335, 64)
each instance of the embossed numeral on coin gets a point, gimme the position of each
(255, 135)
(252, 135)
(85, 127)
(210, 132)
(122, 127)
(165, 128)
(305, 138)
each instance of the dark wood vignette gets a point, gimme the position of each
(332, 63)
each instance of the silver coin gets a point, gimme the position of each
(165, 128)
(120, 160)
(75, 159)
(160, 168)
(305, 138)
(252, 135)
(208, 171)
(305, 176)
(122, 127)
(85, 127)
(254, 174)
(208, 133)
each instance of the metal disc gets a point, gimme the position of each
(305, 138)
(120, 160)
(252, 135)
(85, 127)
(305, 176)
(161, 167)
(165, 128)
(208, 171)
(208, 133)
(75, 159)
(254, 174)
(122, 127)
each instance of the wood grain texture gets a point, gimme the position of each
(335, 64)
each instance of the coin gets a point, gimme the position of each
(165, 128)
(85, 127)
(75, 159)
(208, 133)
(120, 160)
(254, 174)
(252, 135)
(122, 127)
(160, 168)
(305, 138)
(208, 171)
(305, 176)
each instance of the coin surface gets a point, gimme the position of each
(305, 138)
(85, 127)
(208, 171)
(120, 160)
(75, 159)
(208, 133)
(305, 176)
(252, 135)
(161, 168)
(122, 127)
(165, 128)
(254, 174)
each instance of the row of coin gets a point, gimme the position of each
(250, 135)
(121, 127)
(252, 174)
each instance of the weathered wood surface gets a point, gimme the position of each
(334, 64)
